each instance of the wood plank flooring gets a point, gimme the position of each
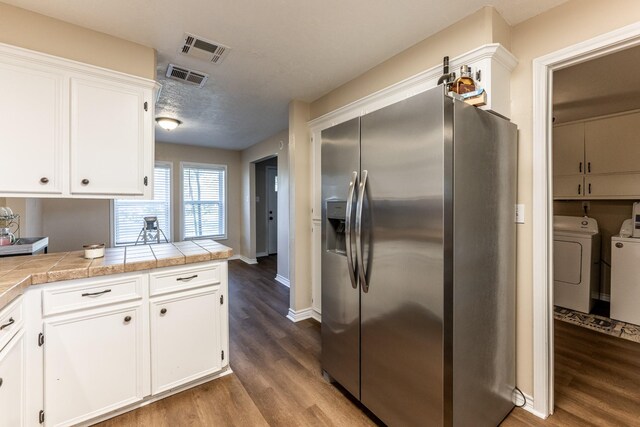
(277, 379)
(597, 381)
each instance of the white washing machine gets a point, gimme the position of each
(625, 279)
(576, 262)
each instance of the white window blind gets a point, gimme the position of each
(128, 214)
(204, 201)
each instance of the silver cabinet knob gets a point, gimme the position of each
(44, 180)
(619, 245)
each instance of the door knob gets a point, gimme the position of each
(619, 245)
(163, 311)
(127, 319)
(44, 180)
(85, 181)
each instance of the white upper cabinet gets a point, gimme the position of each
(33, 106)
(74, 130)
(107, 137)
(568, 149)
(612, 144)
(597, 158)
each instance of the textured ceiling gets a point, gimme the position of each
(598, 87)
(280, 50)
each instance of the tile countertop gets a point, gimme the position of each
(19, 272)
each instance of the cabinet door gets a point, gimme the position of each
(619, 186)
(107, 137)
(568, 149)
(12, 383)
(612, 145)
(185, 338)
(93, 363)
(32, 106)
(568, 187)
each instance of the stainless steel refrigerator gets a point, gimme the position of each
(418, 261)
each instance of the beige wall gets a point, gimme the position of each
(30, 30)
(264, 149)
(72, 223)
(300, 210)
(482, 27)
(176, 153)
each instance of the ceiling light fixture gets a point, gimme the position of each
(168, 123)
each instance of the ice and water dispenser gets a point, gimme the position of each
(336, 226)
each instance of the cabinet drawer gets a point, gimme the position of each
(182, 278)
(90, 293)
(10, 321)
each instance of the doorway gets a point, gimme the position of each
(543, 199)
(266, 207)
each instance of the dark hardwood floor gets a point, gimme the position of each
(277, 378)
(597, 381)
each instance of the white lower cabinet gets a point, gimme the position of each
(108, 346)
(186, 337)
(12, 382)
(93, 363)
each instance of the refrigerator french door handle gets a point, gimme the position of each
(359, 257)
(347, 230)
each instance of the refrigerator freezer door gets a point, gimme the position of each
(404, 149)
(340, 300)
(484, 242)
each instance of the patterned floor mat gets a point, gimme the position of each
(602, 324)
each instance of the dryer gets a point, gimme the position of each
(625, 279)
(576, 262)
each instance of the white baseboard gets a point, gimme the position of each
(259, 254)
(297, 316)
(283, 280)
(245, 259)
(528, 405)
(151, 399)
(316, 315)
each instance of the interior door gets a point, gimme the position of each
(340, 156)
(402, 299)
(272, 209)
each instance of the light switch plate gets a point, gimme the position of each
(520, 213)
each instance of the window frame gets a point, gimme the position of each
(112, 204)
(212, 166)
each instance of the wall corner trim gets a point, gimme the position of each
(244, 259)
(305, 313)
(282, 280)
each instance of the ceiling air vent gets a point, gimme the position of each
(203, 49)
(188, 76)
